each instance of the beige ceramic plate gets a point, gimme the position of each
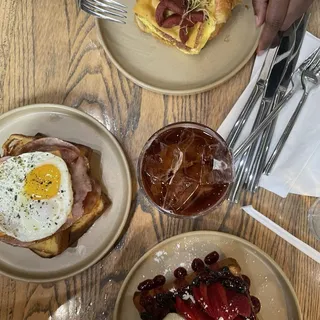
(268, 282)
(157, 67)
(110, 165)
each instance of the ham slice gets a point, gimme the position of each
(15, 242)
(81, 185)
(68, 151)
(3, 159)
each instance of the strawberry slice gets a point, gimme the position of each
(241, 305)
(230, 294)
(198, 297)
(200, 300)
(218, 295)
(184, 310)
(219, 302)
(206, 301)
(199, 314)
(190, 311)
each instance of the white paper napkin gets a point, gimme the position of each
(296, 170)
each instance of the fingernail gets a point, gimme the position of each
(257, 21)
(260, 52)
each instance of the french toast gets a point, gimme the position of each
(215, 289)
(93, 205)
(179, 23)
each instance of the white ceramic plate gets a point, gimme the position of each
(158, 67)
(268, 282)
(109, 164)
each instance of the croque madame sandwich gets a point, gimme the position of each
(185, 24)
(48, 197)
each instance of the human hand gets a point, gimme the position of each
(278, 15)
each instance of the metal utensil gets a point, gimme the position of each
(263, 149)
(254, 96)
(110, 10)
(273, 82)
(310, 80)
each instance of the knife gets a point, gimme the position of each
(300, 27)
(254, 96)
(278, 72)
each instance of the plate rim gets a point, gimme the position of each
(171, 92)
(107, 248)
(203, 232)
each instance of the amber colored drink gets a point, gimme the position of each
(186, 169)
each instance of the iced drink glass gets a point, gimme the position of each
(185, 169)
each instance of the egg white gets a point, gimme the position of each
(22, 217)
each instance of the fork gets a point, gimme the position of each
(310, 80)
(110, 10)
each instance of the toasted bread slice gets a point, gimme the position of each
(232, 264)
(14, 142)
(52, 246)
(57, 243)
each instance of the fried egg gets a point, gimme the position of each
(36, 195)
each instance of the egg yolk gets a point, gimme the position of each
(43, 182)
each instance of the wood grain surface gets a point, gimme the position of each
(49, 52)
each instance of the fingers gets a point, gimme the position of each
(260, 9)
(275, 16)
(295, 10)
(276, 41)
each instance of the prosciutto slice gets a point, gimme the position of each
(3, 159)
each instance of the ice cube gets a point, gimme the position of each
(217, 166)
(161, 166)
(180, 192)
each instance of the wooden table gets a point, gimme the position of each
(49, 53)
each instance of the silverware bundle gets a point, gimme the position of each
(277, 75)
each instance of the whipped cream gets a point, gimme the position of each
(173, 316)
